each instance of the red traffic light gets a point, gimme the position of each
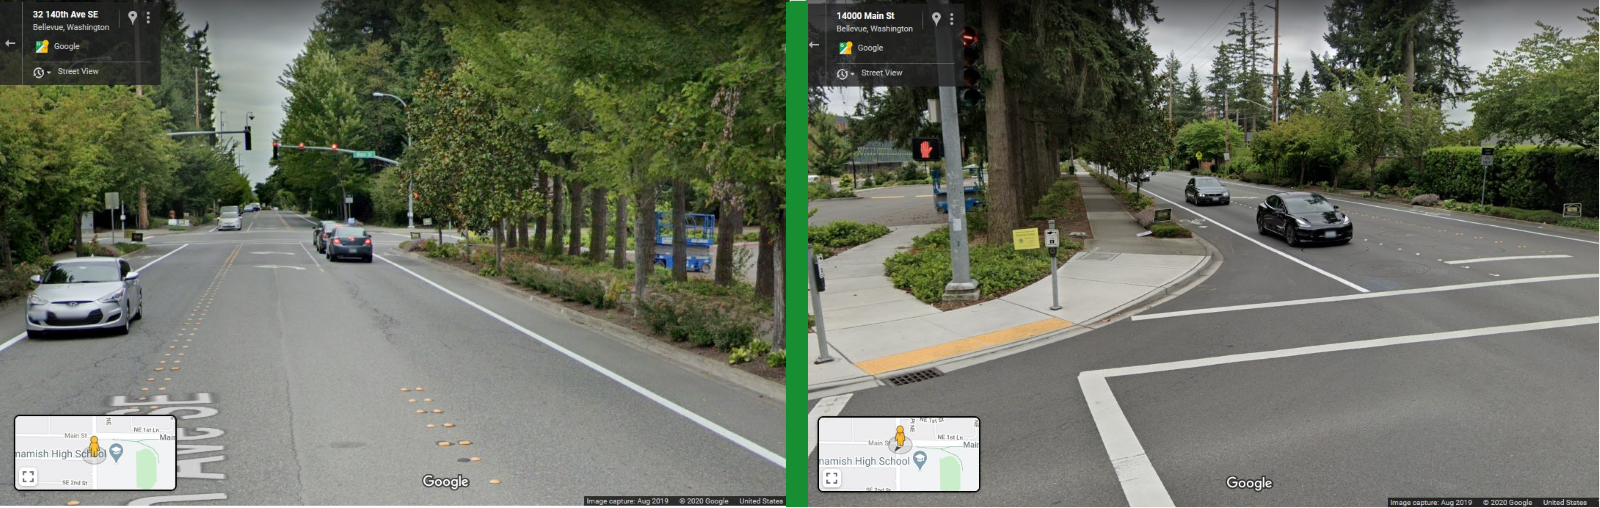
(302, 145)
(335, 146)
(969, 36)
(413, 195)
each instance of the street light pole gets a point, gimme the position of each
(411, 192)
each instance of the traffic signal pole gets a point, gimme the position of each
(961, 285)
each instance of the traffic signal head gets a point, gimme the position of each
(969, 37)
(274, 150)
(970, 76)
(927, 149)
(247, 138)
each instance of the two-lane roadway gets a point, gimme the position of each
(298, 381)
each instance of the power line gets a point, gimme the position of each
(1208, 28)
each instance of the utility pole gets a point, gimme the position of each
(197, 97)
(961, 285)
(1227, 145)
(1171, 94)
(1275, 68)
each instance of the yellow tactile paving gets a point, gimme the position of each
(932, 354)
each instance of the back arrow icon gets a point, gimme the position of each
(9, 43)
(812, 44)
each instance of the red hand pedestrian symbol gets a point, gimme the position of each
(927, 149)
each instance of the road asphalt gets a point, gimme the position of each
(296, 369)
(1435, 355)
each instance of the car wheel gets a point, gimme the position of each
(1261, 227)
(1289, 236)
(140, 314)
(122, 330)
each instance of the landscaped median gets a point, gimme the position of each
(924, 269)
(717, 322)
(834, 237)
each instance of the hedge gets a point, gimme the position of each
(1524, 177)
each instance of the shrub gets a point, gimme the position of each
(14, 282)
(1394, 172)
(777, 359)
(845, 182)
(698, 321)
(1580, 223)
(1525, 177)
(124, 248)
(95, 249)
(822, 190)
(753, 236)
(1169, 230)
(482, 257)
(924, 269)
(1426, 200)
(1057, 201)
(740, 355)
(1253, 177)
(910, 172)
(760, 347)
(1132, 200)
(840, 234)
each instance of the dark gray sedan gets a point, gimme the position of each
(94, 293)
(1204, 189)
(349, 242)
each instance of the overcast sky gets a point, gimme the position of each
(252, 43)
(1188, 29)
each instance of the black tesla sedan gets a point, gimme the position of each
(349, 241)
(1303, 217)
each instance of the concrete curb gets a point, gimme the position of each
(760, 385)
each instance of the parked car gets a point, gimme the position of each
(1204, 189)
(319, 236)
(1301, 217)
(813, 178)
(84, 294)
(1144, 176)
(230, 221)
(349, 241)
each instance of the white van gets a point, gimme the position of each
(229, 219)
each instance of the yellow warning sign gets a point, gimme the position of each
(1024, 239)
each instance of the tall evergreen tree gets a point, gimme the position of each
(1417, 39)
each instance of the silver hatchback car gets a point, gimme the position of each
(94, 293)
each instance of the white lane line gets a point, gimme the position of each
(828, 406)
(158, 260)
(13, 340)
(1140, 483)
(1507, 258)
(1446, 218)
(313, 258)
(682, 411)
(1327, 299)
(24, 333)
(1264, 246)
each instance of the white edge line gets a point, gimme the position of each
(1507, 258)
(313, 258)
(1341, 298)
(702, 421)
(24, 333)
(164, 256)
(828, 406)
(1140, 483)
(1443, 217)
(1264, 246)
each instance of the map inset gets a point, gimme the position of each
(96, 452)
(897, 454)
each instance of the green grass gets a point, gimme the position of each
(125, 248)
(924, 269)
(1169, 230)
(1588, 223)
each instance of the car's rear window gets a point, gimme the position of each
(83, 273)
(349, 231)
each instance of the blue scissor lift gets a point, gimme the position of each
(701, 230)
(971, 191)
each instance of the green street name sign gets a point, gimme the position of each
(365, 154)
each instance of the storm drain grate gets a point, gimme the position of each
(912, 377)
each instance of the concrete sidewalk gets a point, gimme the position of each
(876, 331)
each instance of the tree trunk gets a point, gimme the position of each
(543, 216)
(144, 209)
(499, 238)
(764, 247)
(620, 245)
(556, 225)
(575, 235)
(1002, 203)
(680, 234)
(728, 227)
(597, 223)
(1411, 74)
(522, 229)
(777, 285)
(644, 246)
